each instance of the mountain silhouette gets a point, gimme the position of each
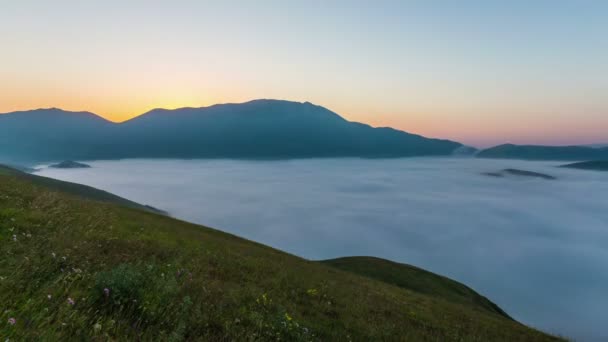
(256, 129)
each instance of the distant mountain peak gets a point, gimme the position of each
(263, 128)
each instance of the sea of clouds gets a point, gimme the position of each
(538, 248)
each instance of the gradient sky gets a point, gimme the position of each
(480, 72)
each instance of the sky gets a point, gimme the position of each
(479, 72)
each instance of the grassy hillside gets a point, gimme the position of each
(81, 269)
(75, 189)
(416, 279)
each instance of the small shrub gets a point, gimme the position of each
(120, 286)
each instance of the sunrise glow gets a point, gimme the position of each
(483, 75)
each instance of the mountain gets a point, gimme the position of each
(76, 266)
(537, 152)
(256, 129)
(49, 134)
(597, 165)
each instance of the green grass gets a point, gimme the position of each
(416, 279)
(174, 281)
(75, 189)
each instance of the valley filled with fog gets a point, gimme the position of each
(536, 247)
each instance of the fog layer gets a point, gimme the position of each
(538, 248)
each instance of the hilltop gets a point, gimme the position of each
(79, 264)
(257, 129)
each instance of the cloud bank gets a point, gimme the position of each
(535, 247)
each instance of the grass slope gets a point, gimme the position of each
(79, 269)
(76, 189)
(416, 279)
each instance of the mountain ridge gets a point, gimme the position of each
(251, 130)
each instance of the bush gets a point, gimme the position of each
(121, 285)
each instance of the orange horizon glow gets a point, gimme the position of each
(473, 74)
(465, 129)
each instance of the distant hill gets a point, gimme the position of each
(518, 173)
(597, 165)
(69, 164)
(537, 152)
(80, 265)
(50, 134)
(256, 129)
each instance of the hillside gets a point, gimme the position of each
(537, 152)
(256, 129)
(74, 268)
(596, 165)
(75, 189)
(417, 280)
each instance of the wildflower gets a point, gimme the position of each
(97, 327)
(49, 296)
(14, 237)
(54, 255)
(106, 292)
(71, 301)
(12, 321)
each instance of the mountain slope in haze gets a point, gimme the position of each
(256, 129)
(48, 134)
(596, 165)
(74, 268)
(538, 152)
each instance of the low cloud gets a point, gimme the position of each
(535, 247)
